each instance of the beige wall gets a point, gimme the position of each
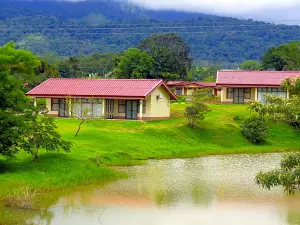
(160, 108)
(224, 98)
(48, 106)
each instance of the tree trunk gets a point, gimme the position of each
(36, 155)
(81, 122)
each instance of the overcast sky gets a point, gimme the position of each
(270, 10)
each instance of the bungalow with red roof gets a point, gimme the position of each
(189, 87)
(239, 87)
(106, 98)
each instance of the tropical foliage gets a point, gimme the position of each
(134, 64)
(170, 54)
(255, 129)
(287, 176)
(21, 127)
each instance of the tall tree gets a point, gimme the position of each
(134, 64)
(19, 120)
(12, 104)
(170, 54)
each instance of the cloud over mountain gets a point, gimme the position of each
(271, 10)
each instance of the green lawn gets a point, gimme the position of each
(130, 142)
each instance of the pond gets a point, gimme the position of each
(203, 191)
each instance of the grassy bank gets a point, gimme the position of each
(130, 142)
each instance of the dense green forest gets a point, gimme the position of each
(50, 28)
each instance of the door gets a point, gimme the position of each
(109, 108)
(238, 96)
(131, 110)
(63, 108)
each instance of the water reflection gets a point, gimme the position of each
(209, 190)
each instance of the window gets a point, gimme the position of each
(247, 93)
(121, 106)
(54, 104)
(229, 94)
(144, 107)
(261, 92)
(179, 91)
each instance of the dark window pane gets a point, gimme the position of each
(121, 106)
(54, 104)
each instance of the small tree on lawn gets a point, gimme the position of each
(196, 110)
(41, 134)
(83, 114)
(287, 176)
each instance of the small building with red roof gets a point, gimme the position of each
(189, 87)
(143, 99)
(239, 87)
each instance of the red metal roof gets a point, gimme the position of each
(190, 83)
(253, 78)
(124, 88)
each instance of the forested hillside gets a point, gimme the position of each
(66, 29)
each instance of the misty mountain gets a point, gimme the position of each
(67, 28)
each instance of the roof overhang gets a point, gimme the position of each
(248, 85)
(89, 96)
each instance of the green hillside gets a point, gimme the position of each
(66, 29)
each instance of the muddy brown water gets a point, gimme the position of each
(203, 191)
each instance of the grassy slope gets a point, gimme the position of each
(123, 142)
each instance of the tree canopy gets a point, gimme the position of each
(287, 176)
(19, 63)
(283, 57)
(170, 54)
(134, 64)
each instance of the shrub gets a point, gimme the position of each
(195, 112)
(255, 129)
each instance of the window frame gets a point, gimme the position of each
(229, 93)
(247, 93)
(122, 105)
(52, 104)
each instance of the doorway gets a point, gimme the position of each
(238, 96)
(131, 110)
(63, 108)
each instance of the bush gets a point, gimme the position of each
(255, 129)
(195, 112)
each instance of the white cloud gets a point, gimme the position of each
(271, 10)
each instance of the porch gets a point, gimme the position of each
(97, 108)
(242, 95)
